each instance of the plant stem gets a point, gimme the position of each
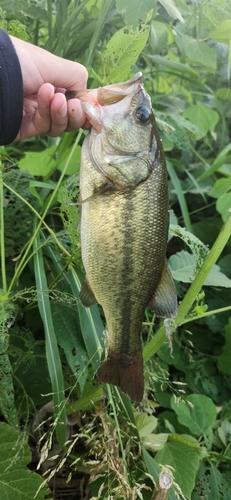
(193, 291)
(2, 238)
(24, 261)
(49, 15)
(42, 217)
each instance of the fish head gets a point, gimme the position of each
(122, 137)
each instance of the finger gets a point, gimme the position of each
(76, 115)
(36, 113)
(42, 117)
(66, 116)
(59, 116)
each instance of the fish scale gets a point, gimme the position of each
(124, 226)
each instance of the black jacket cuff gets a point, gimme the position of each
(11, 91)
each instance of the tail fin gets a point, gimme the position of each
(124, 371)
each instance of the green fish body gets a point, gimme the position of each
(124, 225)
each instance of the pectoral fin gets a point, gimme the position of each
(86, 295)
(164, 300)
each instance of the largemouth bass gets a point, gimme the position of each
(124, 225)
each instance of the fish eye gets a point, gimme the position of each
(143, 114)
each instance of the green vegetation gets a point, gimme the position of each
(50, 345)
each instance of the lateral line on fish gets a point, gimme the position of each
(127, 271)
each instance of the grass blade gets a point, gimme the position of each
(105, 9)
(2, 235)
(91, 324)
(52, 351)
(180, 196)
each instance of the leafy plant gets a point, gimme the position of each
(15, 478)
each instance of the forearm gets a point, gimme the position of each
(11, 91)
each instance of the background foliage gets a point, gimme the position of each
(49, 344)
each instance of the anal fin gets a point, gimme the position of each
(164, 300)
(86, 295)
(124, 371)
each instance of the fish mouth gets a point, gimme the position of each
(110, 94)
(99, 103)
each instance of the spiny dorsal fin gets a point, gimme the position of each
(86, 295)
(164, 300)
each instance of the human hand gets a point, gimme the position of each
(45, 108)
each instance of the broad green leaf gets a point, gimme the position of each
(210, 484)
(154, 470)
(202, 117)
(90, 321)
(67, 329)
(145, 423)
(225, 266)
(214, 16)
(182, 122)
(182, 5)
(35, 12)
(134, 11)
(185, 463)
(162, 87)
(196, 246)
(224, 363)
(74, 163)
(21, 485)
(217, 278)
(171, 126)
(223, 32)
(226, 411)
(171, 9)
(197, 412)
(122, 51)
(174, 66)
(223, 205)
(221, 187)
(16, 481)
(14, 448)
(40, 163)
(159, 35)
(7, 406)
(197, 51)
(155, 442)
(222, 158)
(183, 267)
(224, 94)
(89, 318)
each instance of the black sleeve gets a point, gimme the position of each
(11, 90)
